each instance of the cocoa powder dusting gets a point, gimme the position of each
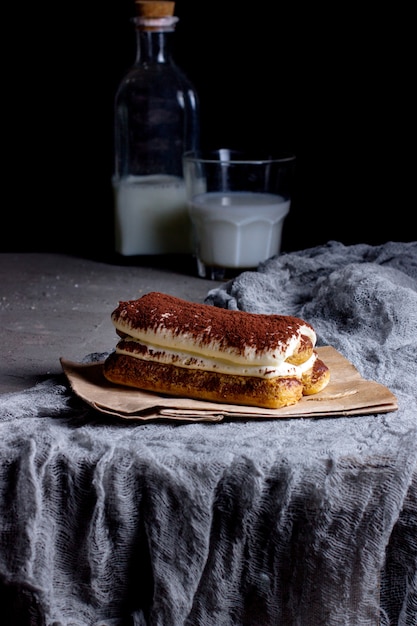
(232, 329)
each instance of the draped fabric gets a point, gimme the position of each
(293, 522)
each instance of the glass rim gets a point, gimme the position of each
(232, 156)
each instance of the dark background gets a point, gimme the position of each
(335, 86)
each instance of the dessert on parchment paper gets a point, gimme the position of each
(171, 346)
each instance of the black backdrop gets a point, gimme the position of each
(335, 86)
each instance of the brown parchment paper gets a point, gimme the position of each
(346, 394)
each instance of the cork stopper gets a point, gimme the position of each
(154, 8)
(155, 15)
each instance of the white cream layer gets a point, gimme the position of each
(201, 348)
(193, 361)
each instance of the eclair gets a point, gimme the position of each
(172, 346)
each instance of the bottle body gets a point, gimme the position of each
(156, 121)
(151, 215)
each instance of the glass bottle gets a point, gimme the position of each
(156, 121)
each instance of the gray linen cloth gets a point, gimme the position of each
(293, 522)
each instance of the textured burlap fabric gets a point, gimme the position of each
(293, 522)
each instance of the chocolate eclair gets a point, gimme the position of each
(172, 346)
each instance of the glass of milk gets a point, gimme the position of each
(237, 207)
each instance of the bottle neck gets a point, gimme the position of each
(152, 47)
(153, 39)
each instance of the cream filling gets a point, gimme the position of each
(187, 343)
(193, 361)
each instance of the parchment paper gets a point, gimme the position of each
(346, 394)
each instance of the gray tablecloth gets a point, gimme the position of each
(289, 522)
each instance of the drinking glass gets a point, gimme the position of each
(237, 205)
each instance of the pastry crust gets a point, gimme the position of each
(315, 379)
(202, 385)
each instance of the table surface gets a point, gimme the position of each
(54, 305)
(295, 521)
